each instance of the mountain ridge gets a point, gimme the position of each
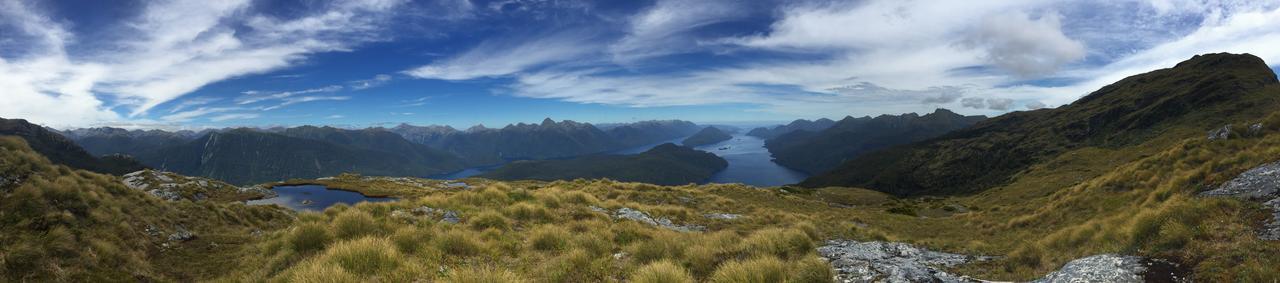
(1221, 87)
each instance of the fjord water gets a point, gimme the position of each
(314, 197)
(750, 163)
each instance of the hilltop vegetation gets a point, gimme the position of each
(816, 152)
(666, 164)
(1142, 111)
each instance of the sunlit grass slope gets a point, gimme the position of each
(1134, 200)
(67, 225)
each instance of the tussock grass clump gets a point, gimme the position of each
(365, 256)
(783, 243)
(577, 266)
(528, 212)
(482, 275)
(354, 223)
(662, 272)
(756, 270)
(489, 220)
(458, 243)
(549, 238)
(309, 237)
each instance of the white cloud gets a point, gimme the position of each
(198, 112)
(169, 49)
(377, 80)
(888, 56)
(255, 96)
(663, 28)
(198, 101)
(301, 99)
(1027, 47)
(506, 56)
(234, 116)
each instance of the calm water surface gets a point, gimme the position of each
(750, 163)
(314, 197)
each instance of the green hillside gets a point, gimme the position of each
(666, 164)
(63, 151)
(815, 152)
(708, 135)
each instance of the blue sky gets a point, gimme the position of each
(187, 63)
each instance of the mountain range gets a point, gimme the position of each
(243, 156)
(818, 151)
(666, 164)
(1204, 92)
(797, 125)
(708, 135)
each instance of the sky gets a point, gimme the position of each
(357, 63)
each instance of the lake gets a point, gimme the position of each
(750, 163)
(314, 197)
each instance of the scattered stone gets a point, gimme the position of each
(723, 216)
(1255, 129)
(180, 234)
(1260, 184)
(642, 217)
(152, 230)
(448, 216)
(955, 208)
(1220, 133)
(620, 255)
(457, 185)
(423, 210)
(856, 261)
(598, 209)
(174, 187)
(451, 217)
(1116, 268)
(169, 195)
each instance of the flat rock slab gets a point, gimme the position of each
(1116, 268)
(1260, 184)
(856, 261)
(892, 262)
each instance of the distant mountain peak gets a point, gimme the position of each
(944, 111)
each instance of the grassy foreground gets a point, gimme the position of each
(68, 225)
(1134, 200)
